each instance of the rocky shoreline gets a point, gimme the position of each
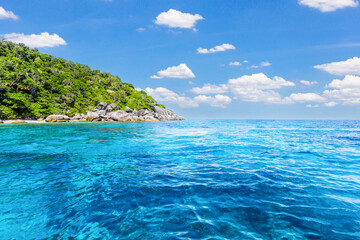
(105, 112)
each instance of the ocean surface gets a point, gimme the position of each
(193, 179)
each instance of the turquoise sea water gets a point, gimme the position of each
(211, 179)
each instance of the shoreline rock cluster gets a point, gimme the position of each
(105, 112)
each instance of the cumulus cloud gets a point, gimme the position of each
(308, 83)
(236, 63)
(37, 41)
(220, 101)
(210, 89)
(261, 88)
(221, 48)
(346, 91)
(258, 88)
(329, 5)
(161, 94)
(165, 95)
(7, 14)
(304, 97)
(181, 71)
(330, 104)
(349, 81)
(177, 19)
(348, 67)
(260, 81)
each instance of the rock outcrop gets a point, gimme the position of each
(78, 117)
(166, 114)
(57, 118)
(105, 112)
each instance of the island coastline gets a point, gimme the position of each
(104, 112)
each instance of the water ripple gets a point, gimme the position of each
(221, 179)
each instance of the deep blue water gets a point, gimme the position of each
(211, 179)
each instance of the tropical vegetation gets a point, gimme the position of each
(35, 85)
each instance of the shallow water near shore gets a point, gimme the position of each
(193, 179)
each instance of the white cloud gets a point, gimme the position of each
(348, 67)
(210, 89)
(304, 97)
(262, 64)
(140, 29)
(346, 91)
(165, 95)
(258, 88)
(329, 5)
(308, 83)
(37, 41)
(349, 81)
(221, 48)
(312, 106)
(7, 14)
(161, 94)
(236, 63)
(218, 101)
(245, 61)
(181, 71)
(253, 66)
(177, 19)
(330, 104)
(265, 64)
(260, 81)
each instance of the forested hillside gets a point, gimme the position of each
(34, 85)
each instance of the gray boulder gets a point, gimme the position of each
(120, 116)
(166, 114)
(149, 118)
(78, 117)
(140, 112)
(143, 112)
(128, 110)
(92, 116)
(101, 106)
(110, 107)
(102, 113)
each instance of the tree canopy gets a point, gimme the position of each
(34, 85)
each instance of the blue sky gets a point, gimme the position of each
(246, 59)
